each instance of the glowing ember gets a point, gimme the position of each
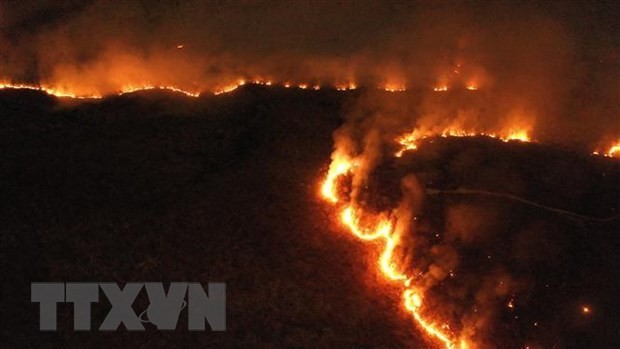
(585, 309)
(441, 88)
(511, 304)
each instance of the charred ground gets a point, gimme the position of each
(158, 187)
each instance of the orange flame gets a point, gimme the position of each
(346, 86)
(612, 151)
(409, 141)
(63, 92)
(131, 89)
(229, 88)
(67, 94)
(413, 303)
(392, 87)
(339, 166)
(49, 90)
(382, 229)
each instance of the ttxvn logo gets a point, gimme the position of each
(163, 310)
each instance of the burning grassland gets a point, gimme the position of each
(475, 152)
(148, 184)
(471, 232)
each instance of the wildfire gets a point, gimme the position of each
(612, 151)
(395, 88)
(413, 303)
(49, 90)
(217, 90)
(346, 87)
(339, 166)
(409, 141)
(262, 82)
(66, 94)
(131, 89)
(229, 88)
(381, 227)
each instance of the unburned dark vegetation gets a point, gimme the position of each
(158, 187)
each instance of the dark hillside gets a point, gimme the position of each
(159, 187)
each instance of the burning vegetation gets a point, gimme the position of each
(441, 107)
(454, 303)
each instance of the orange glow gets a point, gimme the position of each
(351, 220)
(346, 87)
(262, 82)
(384, 228)
(585, 309)
(66, 94)
(441, 88)
(131, 89)
(472, 87)
(388, 267)
(226, 87)
(409, 140)
(612, 151)
(340, 165)
(412, 299)
(393, 87)
(413, 303)
(180, 47)
(380, 228)
(229, 88)
(49, 90)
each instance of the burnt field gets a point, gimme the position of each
(155, 186)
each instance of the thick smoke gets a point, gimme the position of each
(553, 66)
(475, 259)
